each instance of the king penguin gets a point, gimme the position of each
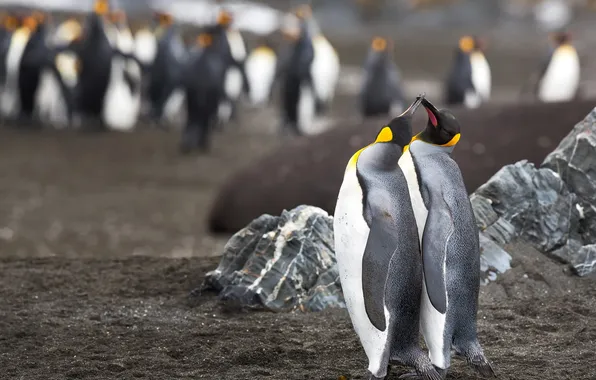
(122, 101)
(325, 67)
(449, 242)
(481, 73)
(261, 66)
(460, 87)
(378, 252)
(559, 76)
(165, 82)
(381, 91)
(51, 105)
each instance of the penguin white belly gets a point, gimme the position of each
(49, 102)
(472, 99)
(233, 83)
(432, 323)
(351, 234)
(260, 72)
(306, 109)
(10, 104)
(324, 69)
(121, 108)
(561, 79)
(173, 111)
(481, 75)
(145, 46)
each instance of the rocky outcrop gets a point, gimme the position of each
(281, 262)
(552, 207)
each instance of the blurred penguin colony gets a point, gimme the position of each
(93, 72)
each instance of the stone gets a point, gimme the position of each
(483, 211)
(493, 259)
(501, 231)
(535, 202)
(281, 263)
(585, 261)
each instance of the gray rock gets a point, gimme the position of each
(501, 231)
(535, 202)
(585, 261)
(483, 211)
(281, 263)
(493, 259)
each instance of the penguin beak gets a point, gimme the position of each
(414, 106)
(432, 111)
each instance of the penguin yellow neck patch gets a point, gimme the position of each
(453, 141)
(385, 135)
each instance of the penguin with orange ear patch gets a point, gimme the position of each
(459, 88)
(381, 91)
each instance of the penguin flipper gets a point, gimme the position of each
(437, 231)
(380, 247)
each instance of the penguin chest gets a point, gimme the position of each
(406, 164)
(260, 73)
(9, 102)
(324, 69)
(481, 75)
(145, 46)
(351, 234)
(561, 79)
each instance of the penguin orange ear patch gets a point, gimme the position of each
(204, 39)
(101, 7)
(379, 44)
(466, 44)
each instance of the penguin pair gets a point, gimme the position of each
(407, 248)
(381, 92)
(469, 81)
(559, 76)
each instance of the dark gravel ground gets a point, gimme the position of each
(131, 318)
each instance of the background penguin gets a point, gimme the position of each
(145, 45)
(8, 24)
(260, 67)
(299, 98)
(559, 76)
(325, 67)
(481, 73)
(235, 80)
(10, 99)
(204, 92)
(165, 91)
(381, 91)
(378, 252)
(51, 104)
(460, 85)
(123, 95)
(449, 241)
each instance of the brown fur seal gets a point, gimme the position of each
(309, 170)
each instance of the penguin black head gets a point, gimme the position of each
(442, 128)
(479, 44)
(399, 130)
(303, 12)
(466, 44)
(117, 17)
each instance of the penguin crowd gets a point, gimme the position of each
(407, 249)
(95, 73)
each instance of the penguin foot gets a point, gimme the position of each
(481, 365)
(370, 376)
(431, 373)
